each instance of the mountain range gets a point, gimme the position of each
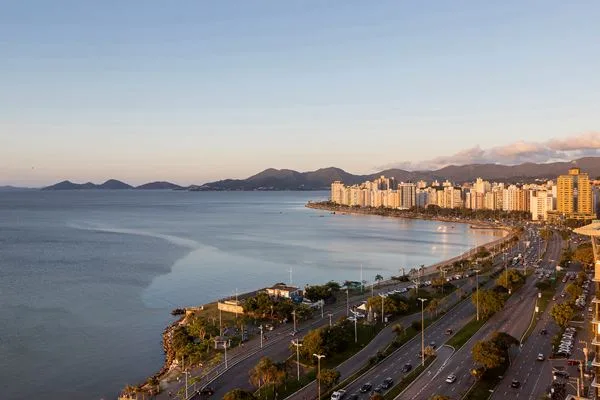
(286, 179)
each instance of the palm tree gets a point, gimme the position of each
(378, 278)
(433, 306)
(266, 372)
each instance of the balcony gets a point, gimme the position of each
(595, 383)
(595, 341)
(596, 362)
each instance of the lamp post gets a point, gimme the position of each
(477, 291)
(261, 336)
(319, 356)
(355, 329)
(422, 330)
(330, 315)
(220, 324)
(347, 303)
(383, 296)
(294, 315)
(322, 303)
(298, 345)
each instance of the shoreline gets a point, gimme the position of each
(170, 364)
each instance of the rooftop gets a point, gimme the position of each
(592, 229)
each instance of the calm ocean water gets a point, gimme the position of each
(88, 277)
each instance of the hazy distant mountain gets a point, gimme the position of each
(9, 188)
(111, 184)
(159, 186)
(285, 179)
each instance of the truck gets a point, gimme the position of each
(338, 394)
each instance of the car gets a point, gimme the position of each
(449, 331)
(543, 332)
(407, 367)
(387, 383)
(432, 344)
(207, 391)
(366, 387)
(353, 396)
(540, 357)
(561, 374)
(378, 389)
(515, 384)
(338, 394)
(451, 378)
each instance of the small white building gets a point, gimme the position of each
(282, 290)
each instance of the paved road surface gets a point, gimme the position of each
(513, 319)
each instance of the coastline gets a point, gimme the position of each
(170, 365)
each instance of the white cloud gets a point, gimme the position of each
(566, 149)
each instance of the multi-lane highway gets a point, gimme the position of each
(535, 376)
(242, 359)
(514, 319)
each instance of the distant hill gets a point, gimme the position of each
(9, 188)
(286, 179)
(159, 186)
(111, 184)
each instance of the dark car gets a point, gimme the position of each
(543, 332)
(366, 387)
(515, 384)
(407, 367)
(207, 391)
(449, 331)
(378, 389)
(387, 383)
(353, 396)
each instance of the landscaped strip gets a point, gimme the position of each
(408, 379)
(465, 333)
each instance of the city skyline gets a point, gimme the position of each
(204, 92)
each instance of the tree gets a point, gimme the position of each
(238, 394)
(389, 306)
(503, 340)
(487, 354)
(515, 278)
(398, 329)
(433, 306)
(429, 351)
(378, 279)
(562, 313)
(573, 290)
(266, 372)
(440, 397)
(490, 302)
(329, 377)
(376, 396)
(581, 278)
(584, 254)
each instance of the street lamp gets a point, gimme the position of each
(330, 315)
(261, 335)
(355, 321)
(294, 315)
(298, 345)
(383, 296)
(347, 303)
(422, 329)
(319, 356)
(477, 291)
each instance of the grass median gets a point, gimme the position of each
(483, 388)
(465, 333)
(408, 379)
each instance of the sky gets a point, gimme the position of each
(195, 91)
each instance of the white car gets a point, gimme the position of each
(540, 357)
(451, 378)
(338, 394)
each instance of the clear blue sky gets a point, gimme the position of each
(192, 91)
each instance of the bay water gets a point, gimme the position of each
(88, 278)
